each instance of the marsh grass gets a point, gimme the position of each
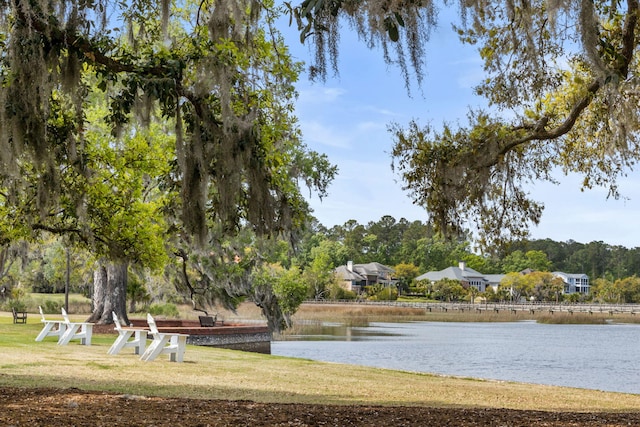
(52, 303)
(576, 319)
(362, 315)
(210, 373)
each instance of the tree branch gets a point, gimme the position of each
(539, 132)
(66, 230)
(95, 56)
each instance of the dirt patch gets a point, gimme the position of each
(45, 407)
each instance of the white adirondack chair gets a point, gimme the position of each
(51, 328)
(164, 343)
(138, 342)
(75, 331)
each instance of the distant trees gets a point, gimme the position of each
(544, 286)
(413, 248)
(625, 290)
(518, 286)
(405, 273)
(519, 261)
(392, 242)
(448, 290)
(596, 259)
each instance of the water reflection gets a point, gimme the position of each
(327, 331)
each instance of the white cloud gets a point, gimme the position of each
(381, 111)
(320, 95)
(369, 126)
(316, 133)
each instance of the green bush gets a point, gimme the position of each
(337, 292)
(18, 304)
(51, 307)
(385, 294)
(167, 310)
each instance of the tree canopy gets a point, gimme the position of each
(563, 93)
(112, 109)
(218, 71)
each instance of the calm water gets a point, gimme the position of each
(601, 357)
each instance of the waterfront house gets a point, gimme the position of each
(465, 275)
(574, 283)
(354, 277)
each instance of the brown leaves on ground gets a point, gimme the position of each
(45, 407)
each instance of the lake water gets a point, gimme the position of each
(600, 357)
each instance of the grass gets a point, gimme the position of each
(209, 373)
(52, 303)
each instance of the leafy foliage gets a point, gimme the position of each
(562, 84)
(224, 80)
(141, 129)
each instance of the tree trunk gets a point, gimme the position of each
(109, 293)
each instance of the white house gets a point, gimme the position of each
(574, 283)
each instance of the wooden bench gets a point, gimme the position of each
(210, 321)
(164, 343)
(207, 321)
(51, 328)
(19, 316)
(124, 340)
(75, 331)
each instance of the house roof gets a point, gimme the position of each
(570, 276)
(494, 278)
(455, 273)
(345, 274)
(373, 269)
(464, 273)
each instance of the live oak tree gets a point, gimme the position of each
(217, 72)
(563, 91)
(125, 204)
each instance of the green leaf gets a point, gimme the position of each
(393, 33)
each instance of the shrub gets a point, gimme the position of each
(337, 292)
(167, 310)
(18, 304)
(385, 294)
(51, 307)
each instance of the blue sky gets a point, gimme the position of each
(347, 116)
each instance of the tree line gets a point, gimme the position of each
(392, 242)
(413, 248)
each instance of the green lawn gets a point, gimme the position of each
(226, 374)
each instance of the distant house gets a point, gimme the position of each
(349, 279)
(354, 277)
(465, 275)
(494, 280)
(573, 283)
